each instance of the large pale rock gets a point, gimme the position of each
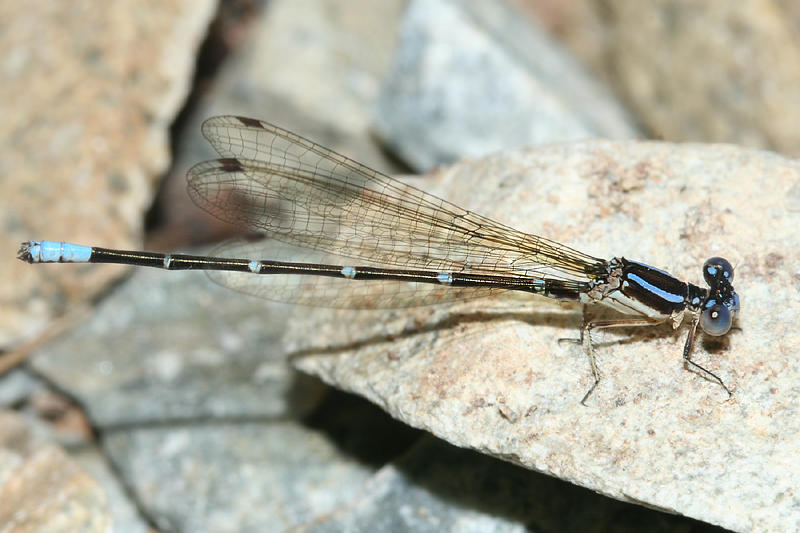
(491, 375)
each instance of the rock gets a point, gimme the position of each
(15, 386)
(698, 71)
(491, 81)
(246, 476)
(167, 350)
(126, 517)
(42, 488)
(184, 384)
(491, 375)
(437, 487)
(174, 346)
(29, 451)
(311, 66)
(89, 92)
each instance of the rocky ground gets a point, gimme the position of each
(135, 400)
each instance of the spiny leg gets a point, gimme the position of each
(588, 346)
(687, 359)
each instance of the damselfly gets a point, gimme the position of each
(418, 248)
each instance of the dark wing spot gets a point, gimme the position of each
(230, 165)
(250, 122)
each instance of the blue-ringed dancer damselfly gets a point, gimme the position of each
(419, 248)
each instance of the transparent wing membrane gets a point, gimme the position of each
(274, 181)
(335, 292)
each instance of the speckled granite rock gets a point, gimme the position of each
(491, 375)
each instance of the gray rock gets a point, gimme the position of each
(491, 375)
(17, 385)
(173, 345)
(311, 66)
(469, 78)
(235, 477)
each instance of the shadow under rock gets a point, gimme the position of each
(469, 480)
(361, 429)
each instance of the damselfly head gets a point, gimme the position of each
(722, 303)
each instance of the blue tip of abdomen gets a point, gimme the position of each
(54, 252)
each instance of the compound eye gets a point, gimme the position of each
(716, 320)
(735, 303)
(714, 267)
